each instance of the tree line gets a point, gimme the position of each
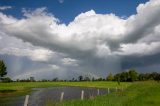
(132, 75)
(126, 76)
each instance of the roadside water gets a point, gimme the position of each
(40, 96)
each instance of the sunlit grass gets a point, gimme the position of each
(28, 85)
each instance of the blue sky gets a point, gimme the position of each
(68, 9)
(93, 37)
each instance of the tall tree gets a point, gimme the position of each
(124, 76)
(117, 78)
(133, 75)
(3, 69)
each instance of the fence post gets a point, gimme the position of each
(108, 91)
(61, 98)
(82, 95)
(26, 100)
(97, 91)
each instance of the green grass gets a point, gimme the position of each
(29, 85)
(138, 94)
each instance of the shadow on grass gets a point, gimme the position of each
(7, 91)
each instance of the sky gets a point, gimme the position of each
(46, 39)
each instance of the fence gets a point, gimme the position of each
(82, 97)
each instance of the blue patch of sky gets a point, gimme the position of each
(67, 10)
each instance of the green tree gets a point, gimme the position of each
(110, 77)
(133, 75)
(117, 78)
(142, 77)
(7, 79)
(100, 79)
(124, 76)
(3, 69)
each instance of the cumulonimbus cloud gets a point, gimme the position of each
(94, 31)
(90, 34)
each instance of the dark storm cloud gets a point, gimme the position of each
(140, 61)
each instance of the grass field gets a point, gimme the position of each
(28, 85)
(138, 94)
(10, 90)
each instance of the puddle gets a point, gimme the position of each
(41, 95)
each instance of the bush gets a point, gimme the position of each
(6, 80)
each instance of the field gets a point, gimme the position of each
(134, 94)
(10, 90)
(17, 86)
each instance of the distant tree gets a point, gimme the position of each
(17, 80)
(3, 69)
(32, 79)
(100, 79)
(133, 75)
(124, 76)
(87, 78)
(44, 80)
(93, 79)
(74, 79)
(55, 79)
(155, 76)
(7, 79)
(117, 78)
(141, 77)
(80, 78)
(109, 77)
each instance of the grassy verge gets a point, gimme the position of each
(138, 94)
